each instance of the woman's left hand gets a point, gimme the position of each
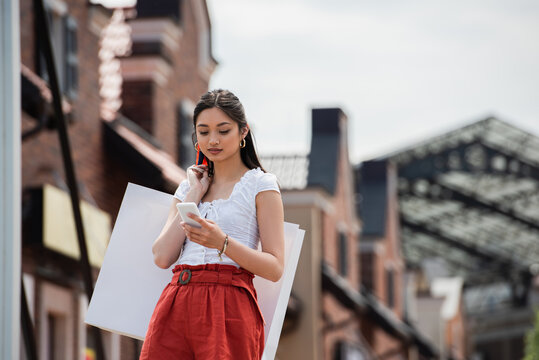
(209, 235)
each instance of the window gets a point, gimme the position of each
(56, 336)
(367, 270)
(56, 322)
(390, 286)
(343, 253)
(71, 82)
(63, 35)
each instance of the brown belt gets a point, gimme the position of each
(236, 277)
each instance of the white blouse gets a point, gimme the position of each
(236, 216)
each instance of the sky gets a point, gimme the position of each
(402, 71)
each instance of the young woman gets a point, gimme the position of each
(209, 310)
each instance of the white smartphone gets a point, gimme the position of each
(185, 208)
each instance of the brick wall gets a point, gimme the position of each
(27, 33)
(102, 173)
(185, 81)
(138, 103)
(386, 256)
(41, 154)
(342, 325)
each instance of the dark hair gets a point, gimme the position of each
(229, 103)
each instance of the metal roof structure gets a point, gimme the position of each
(471, 198)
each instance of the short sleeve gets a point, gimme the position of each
(266, 181)
(182, 190)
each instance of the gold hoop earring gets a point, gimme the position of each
(196, 146)
(242, 143)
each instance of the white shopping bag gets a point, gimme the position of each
(129, 283)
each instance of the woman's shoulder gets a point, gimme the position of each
(262, 181)
(257, 174)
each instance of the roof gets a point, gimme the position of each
(365, 304)
(291, 170)
(34, 90)
(471, 197)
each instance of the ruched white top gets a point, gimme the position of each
(236, 216)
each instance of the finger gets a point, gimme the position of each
(192, 237)
(198, 219)
(197, 168)
(206, 177)
(191, 228)
(185, 230)
(195, 235)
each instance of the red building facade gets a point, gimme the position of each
(169, 67)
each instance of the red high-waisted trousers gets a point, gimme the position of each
(207, 311)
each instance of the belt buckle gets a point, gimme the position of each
(180, 277)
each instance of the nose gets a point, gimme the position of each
(214, 141)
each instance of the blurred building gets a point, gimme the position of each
(382, 265)
(468, 205)
(438, 313)
(332, 315)
(146, 140)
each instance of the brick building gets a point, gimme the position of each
(169, 68)
(146, 142)
(333, 316)
(382, 267)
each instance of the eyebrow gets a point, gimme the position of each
(223, 123)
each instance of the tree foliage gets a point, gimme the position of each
(532, 341)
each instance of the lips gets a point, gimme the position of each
(214, 151)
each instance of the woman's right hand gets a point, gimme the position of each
(198, 178)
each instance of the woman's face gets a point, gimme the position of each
(218, 135)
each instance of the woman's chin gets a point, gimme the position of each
(214, 157)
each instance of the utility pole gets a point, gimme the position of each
(10, 180)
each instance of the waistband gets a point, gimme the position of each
(211, 273)
(216, 274)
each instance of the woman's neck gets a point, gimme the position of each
(229, 170)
